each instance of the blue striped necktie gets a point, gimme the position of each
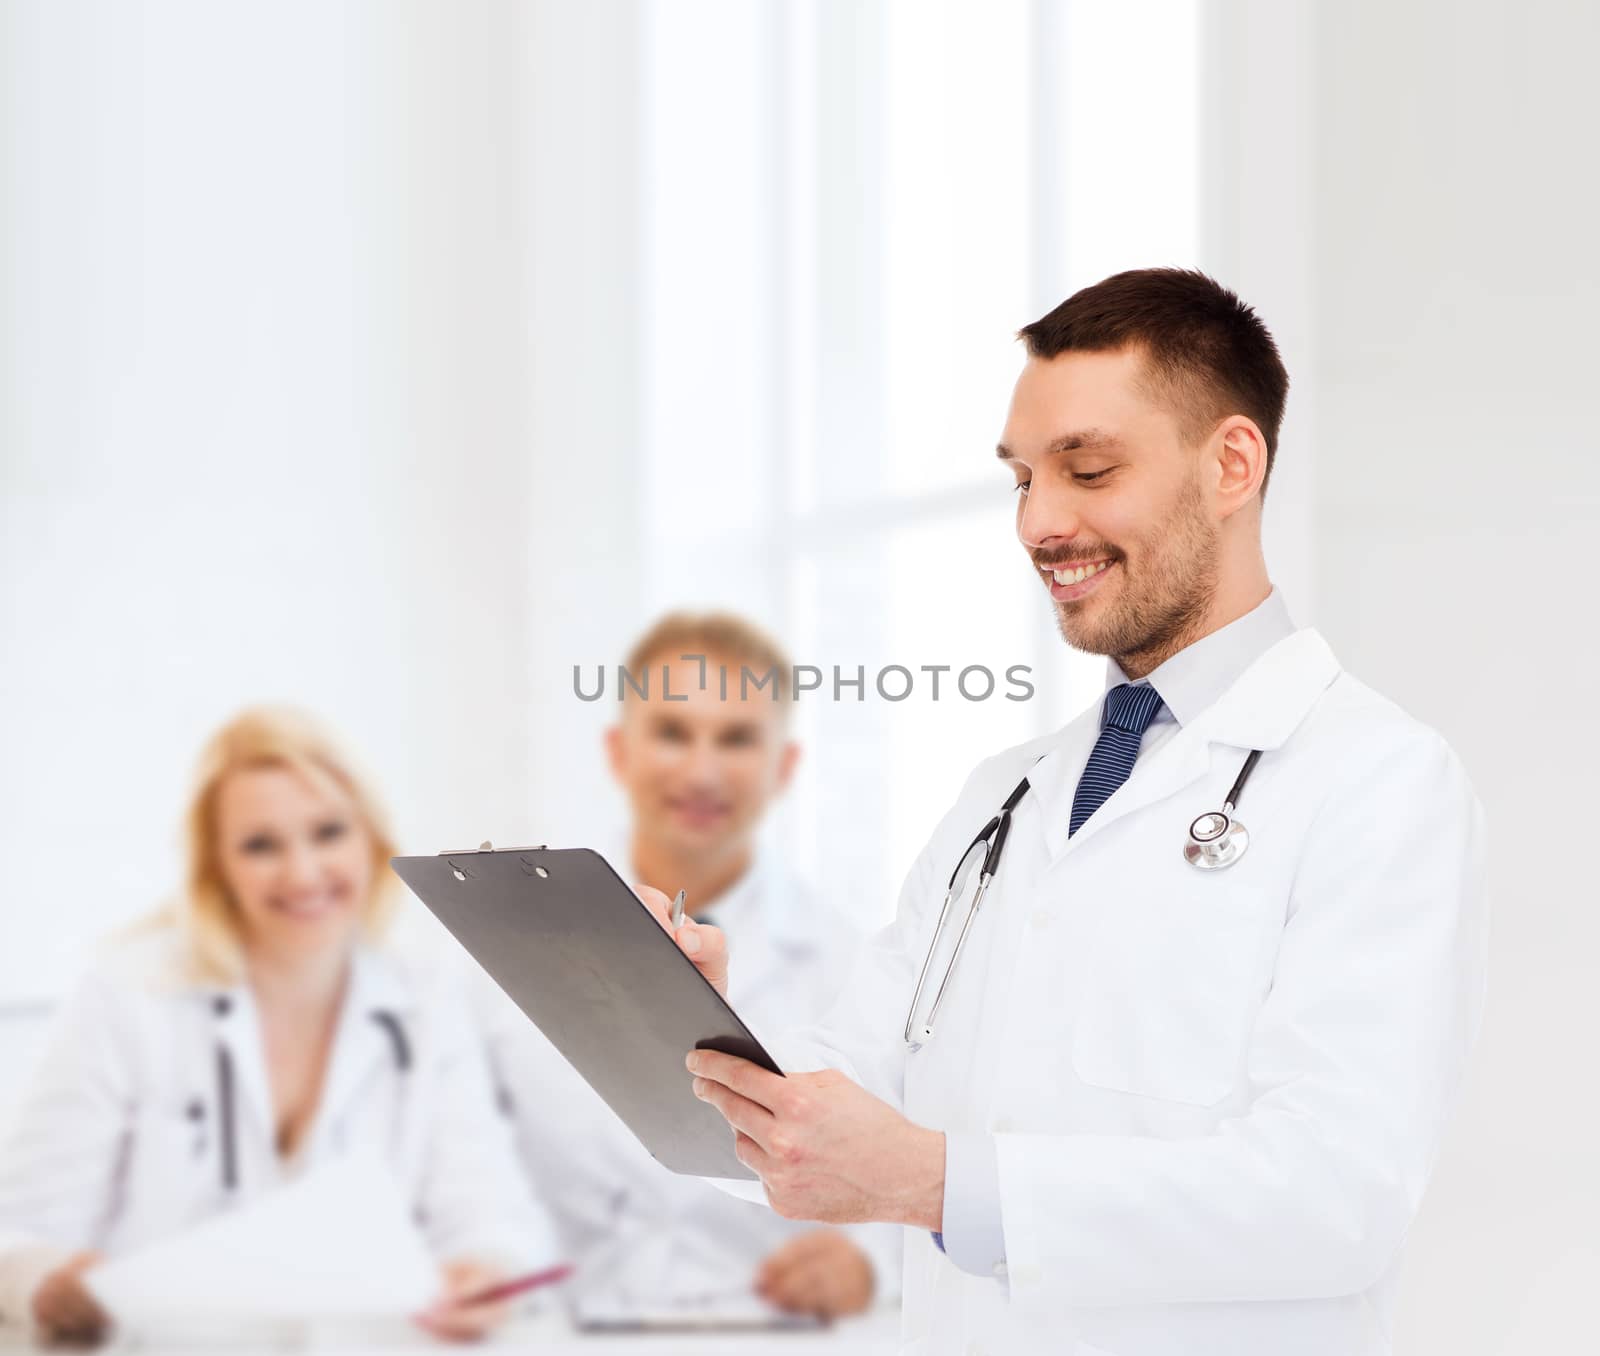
(1124, 718)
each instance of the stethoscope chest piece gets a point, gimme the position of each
(1216, 840)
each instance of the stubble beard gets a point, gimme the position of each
(1163, 608)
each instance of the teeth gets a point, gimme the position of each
(1078, 573)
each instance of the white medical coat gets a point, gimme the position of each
(119, 1141)
(1213, 1098)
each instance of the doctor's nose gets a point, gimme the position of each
(300, 868)
(1049, 518)
(703, 767)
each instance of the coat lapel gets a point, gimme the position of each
(361, 1045)
(238, 1031)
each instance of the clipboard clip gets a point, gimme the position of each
(464, 873)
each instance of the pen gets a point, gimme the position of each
(677, 909)
(520, 1285)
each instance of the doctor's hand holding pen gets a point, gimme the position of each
(469, 1308)
(700, 942)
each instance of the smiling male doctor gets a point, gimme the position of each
(1164, 1110)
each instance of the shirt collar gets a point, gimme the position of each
(738, 902)
(1200, 673)
(728, 910)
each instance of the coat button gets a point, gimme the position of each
(1000, 1271)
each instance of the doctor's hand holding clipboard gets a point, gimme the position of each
(824, 1148)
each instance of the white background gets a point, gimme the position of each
(392, 358)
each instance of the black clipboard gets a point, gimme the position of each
(572, 946)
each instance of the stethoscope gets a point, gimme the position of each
(1215, 840)
(227, 1132)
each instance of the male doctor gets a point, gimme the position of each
(700, 762)
(1162, 1109)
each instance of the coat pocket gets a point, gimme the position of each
(1170, 993)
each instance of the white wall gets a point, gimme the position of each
(263, 423)
(1457, 502)
(582, 307)
(1259, 229)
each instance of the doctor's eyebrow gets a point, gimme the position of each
(1068, 442)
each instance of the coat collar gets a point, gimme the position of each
(1259, 710)
(1270, 699)
(361, 1040)
(374, 1033)
(1199, 674)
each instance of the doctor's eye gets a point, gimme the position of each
(259, 844)
(331, 830)
(1021, 487)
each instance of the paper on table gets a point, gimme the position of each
(339, 1242)
(671, 1283)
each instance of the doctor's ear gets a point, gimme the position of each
(1241, 462)
(788, 760)
(616, 755)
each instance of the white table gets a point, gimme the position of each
(874, 1334)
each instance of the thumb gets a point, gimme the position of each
(708, 949)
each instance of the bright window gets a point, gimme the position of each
(850, 211)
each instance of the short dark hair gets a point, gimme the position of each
(1205, 350)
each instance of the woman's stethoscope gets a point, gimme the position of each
(1215, 840)
(227, 1132)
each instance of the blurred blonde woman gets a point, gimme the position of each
(253, 1031)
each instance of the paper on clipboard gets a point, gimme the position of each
(338, 1242)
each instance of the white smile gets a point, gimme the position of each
(1078, 573)
(309, 906)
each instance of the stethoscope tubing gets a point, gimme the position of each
(1237, 789)
(992, 838)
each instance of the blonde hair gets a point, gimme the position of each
(713, 633)
(205, 913)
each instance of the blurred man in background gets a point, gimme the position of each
(700, 755)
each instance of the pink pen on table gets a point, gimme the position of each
(520, 1285)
